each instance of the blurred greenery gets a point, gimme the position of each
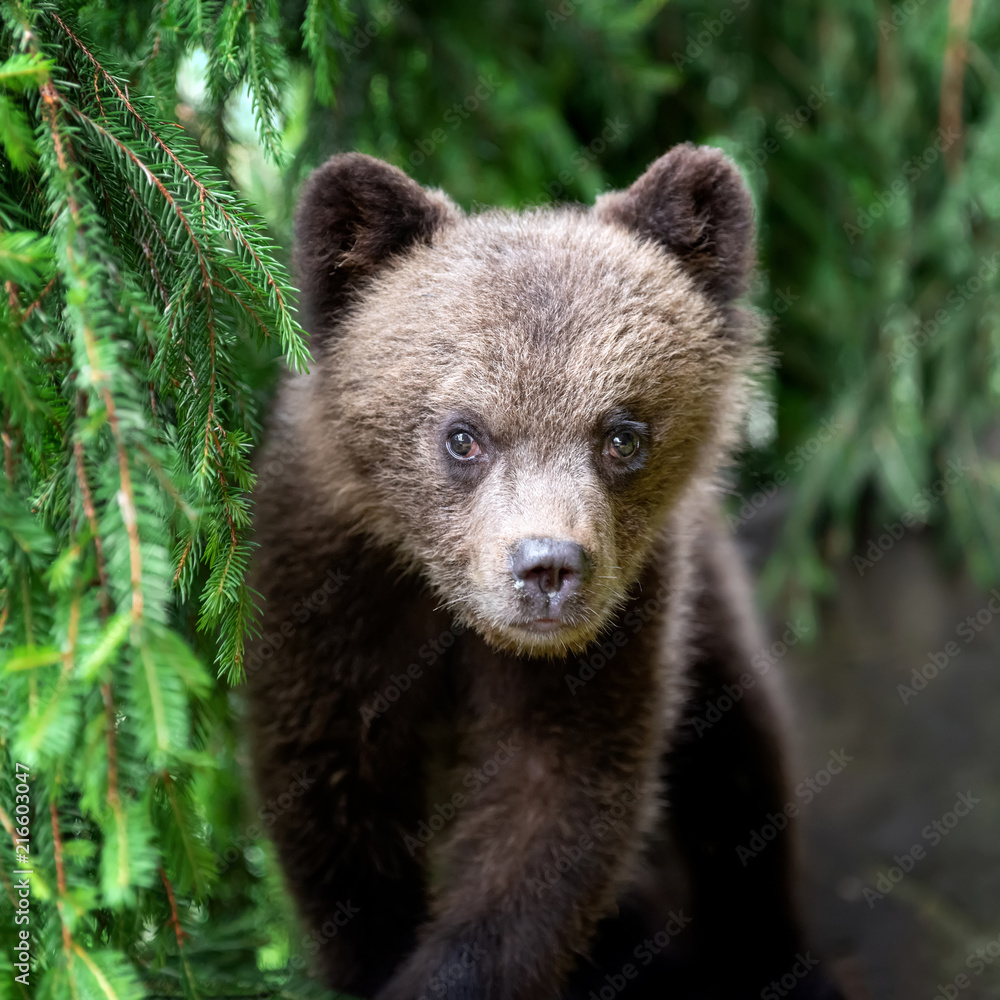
(874, 177)
(870, 135)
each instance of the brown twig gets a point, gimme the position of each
(97, 96)
(886, 60)
(6, 823)
(126, 497)
(175, 919)
(242, 305)
(953, 79)
(203, 192)
(91, 513)
(34, 305)
(60, 873)
(229, 517)
(13, 299)
(183, 560)
(8, 456)
(202, 265)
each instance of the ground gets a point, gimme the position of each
(912, 763)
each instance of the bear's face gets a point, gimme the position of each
(515, 403)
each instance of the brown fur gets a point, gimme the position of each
(540, 333)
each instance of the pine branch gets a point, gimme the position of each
(135, 287)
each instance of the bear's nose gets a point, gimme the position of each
(550, 568)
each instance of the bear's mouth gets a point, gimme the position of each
(547, 635)
(544, 625)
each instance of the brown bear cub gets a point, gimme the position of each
(497, 602)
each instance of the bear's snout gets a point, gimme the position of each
(547, 572)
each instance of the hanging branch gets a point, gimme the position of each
(134, 287)
(952, 79)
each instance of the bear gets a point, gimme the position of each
(503, 675)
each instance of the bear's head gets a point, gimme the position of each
(515, 404)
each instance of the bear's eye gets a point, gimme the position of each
(623, 444)
(462, 445)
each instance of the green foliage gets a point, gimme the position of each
(140, 291)
(145, 304)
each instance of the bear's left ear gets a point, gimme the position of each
(355, 214)
(693, 202)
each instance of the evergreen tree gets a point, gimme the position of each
(140, 294)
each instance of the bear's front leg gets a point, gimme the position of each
(560, 786)
(350, 662)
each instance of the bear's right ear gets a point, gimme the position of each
(355, 213)
(693, 202)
